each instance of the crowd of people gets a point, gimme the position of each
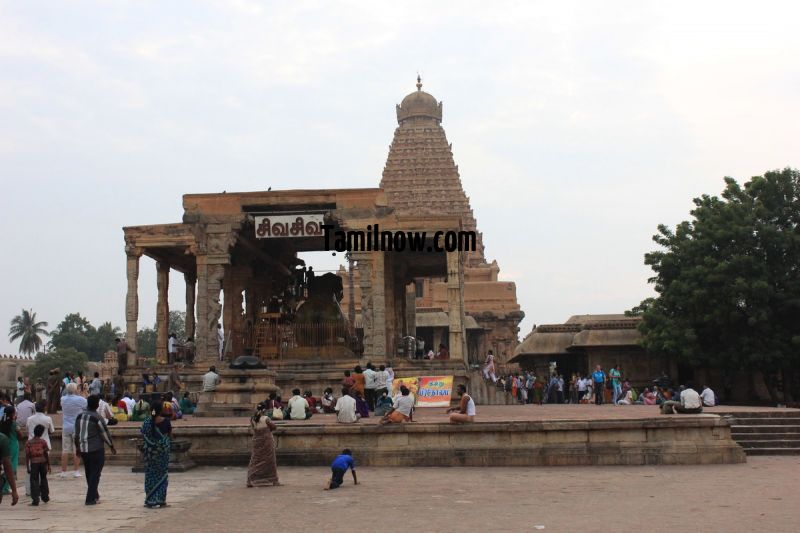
(599, 387)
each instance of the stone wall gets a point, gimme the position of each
(689, 439)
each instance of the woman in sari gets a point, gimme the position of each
(156, 432)
(8, 426)
(263, 468)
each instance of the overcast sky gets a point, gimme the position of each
(577, 127)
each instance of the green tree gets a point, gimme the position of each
(728, 282)
(177, 324)
(146, 342)
(25, 327)
(66, 360)
(105, 339)
(77, 332)
(74, 332)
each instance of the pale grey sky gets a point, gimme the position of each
(577, 127)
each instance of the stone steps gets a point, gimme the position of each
(766, 433)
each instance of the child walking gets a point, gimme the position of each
(38, 459)
(339, 469)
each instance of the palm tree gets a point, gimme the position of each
(25, 327)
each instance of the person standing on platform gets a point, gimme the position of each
(37, 457)
(599, 379)
(122, 356)
(616, 386)
(358, 381)
(221, 341)
(370, 386)
(174, 383)
(381, 379)
(489, 368)
(53, 391)
(119, 384)
(389, 378)
(72, 405)
(96, 385)
(91, 437)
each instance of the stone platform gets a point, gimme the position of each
(556, 435)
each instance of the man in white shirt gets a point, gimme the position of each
(690, 403)
(381, 377)
(708, 397)
(172, 349)
(346, 408)
(39, 418)
(298, 407)
(210, 379)
(25, 409)
(582, 386)
(96, 386)
(370, 386)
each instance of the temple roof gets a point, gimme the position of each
(580, 331)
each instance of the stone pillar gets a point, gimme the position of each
(132, 301)
(455, 305)
(191, 282)
(210, 271)
(379, 343)
(162, 310)
(411, 309)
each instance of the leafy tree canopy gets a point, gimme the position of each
(65, 359)
(728, 281)
(77, 332)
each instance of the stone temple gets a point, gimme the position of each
(238, 253)
(420, 178)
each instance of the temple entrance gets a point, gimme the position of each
(290, 298)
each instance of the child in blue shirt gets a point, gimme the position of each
(339, 469)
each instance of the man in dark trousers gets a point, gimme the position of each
(91, 436)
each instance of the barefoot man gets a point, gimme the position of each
(465, 412)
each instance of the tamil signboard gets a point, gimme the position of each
(299, 225)
(428, 391)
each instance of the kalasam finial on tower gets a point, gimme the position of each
(419, 82)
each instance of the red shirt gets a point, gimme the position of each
(36, 450)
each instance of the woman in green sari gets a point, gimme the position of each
(156, 432)
(8, 426)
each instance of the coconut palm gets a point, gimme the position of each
(25, 327)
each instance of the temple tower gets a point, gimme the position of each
(420, 177)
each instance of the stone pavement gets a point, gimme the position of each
(762, 495)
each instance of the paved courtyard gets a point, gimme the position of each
(762, 495)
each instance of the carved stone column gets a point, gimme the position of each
(132, 301)
(162, 310)
(191, 282)
(364, 260)
(411, 309)
(455, 304)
